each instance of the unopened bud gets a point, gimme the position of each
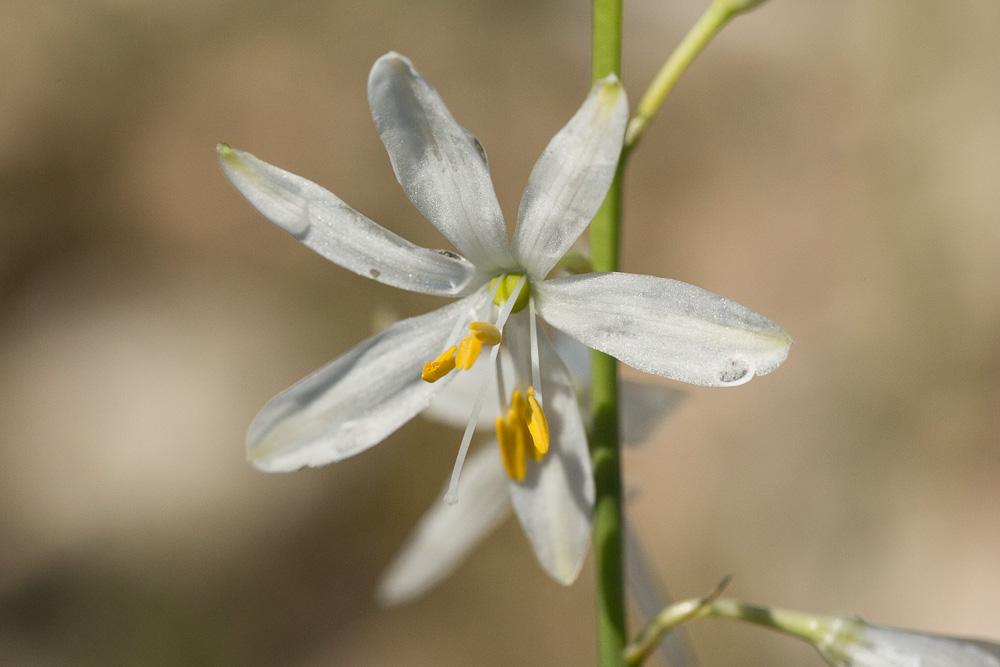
(854, 643)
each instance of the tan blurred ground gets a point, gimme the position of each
(831, 164)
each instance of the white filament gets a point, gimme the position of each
(451, 496)
(536, 370)
(501, 386)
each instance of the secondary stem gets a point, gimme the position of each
(707, 27)
(604, 245)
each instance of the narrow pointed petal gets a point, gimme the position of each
(357, 400)
(555, 502)
(440, 165)
(448, 533)
(324, 223)
(665, 327)
(570, 179)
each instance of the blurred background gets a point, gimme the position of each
(832, 165)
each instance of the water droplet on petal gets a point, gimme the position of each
(734, 371)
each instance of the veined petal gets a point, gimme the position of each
(440, 165)
(323, 222)
(357, 400)
(447, 533)
(555, 502)
(664, 327)
(570, 179)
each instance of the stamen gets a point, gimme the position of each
(501, 385)
(445, 362)
(521, 437)
(483, 333)
(451, 496)
(524, 430)
(486, 332)
(441, 366)
(536, 370)
(505, 439)
(538, 425)
(468, 352)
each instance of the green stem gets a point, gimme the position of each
(826, 633)
(604, 245)
(707, 27)
(812, 628)
(668, 619)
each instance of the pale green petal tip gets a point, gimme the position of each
(609, 94)
(227, 154)
(609, 88)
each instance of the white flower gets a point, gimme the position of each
(854, 643)
(657, 325)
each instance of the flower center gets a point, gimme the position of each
(504, 285)
(524, 430)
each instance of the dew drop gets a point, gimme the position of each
(374, 273)
(734, 371)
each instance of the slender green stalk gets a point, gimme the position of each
(719, 13)
(604, 245)
(823, 632)
(812, 628)
(668, 619)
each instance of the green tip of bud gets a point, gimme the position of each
(609, 90)
(225, 151)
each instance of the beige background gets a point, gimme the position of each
(832, 165)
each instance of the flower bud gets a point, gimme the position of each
(854, 643)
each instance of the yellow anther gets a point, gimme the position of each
(522, 432)
(518, 406)
(437, 369)
(505, 437)
(468, 352)
(485, 332)
(538, 425)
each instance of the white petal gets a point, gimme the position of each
(555, 502)
(665, 327)
(569, 181)
(320, 220)
(357, 400)
(447, 533)
(440, 164)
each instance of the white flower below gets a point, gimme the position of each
(854, 643)
(654, 324)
